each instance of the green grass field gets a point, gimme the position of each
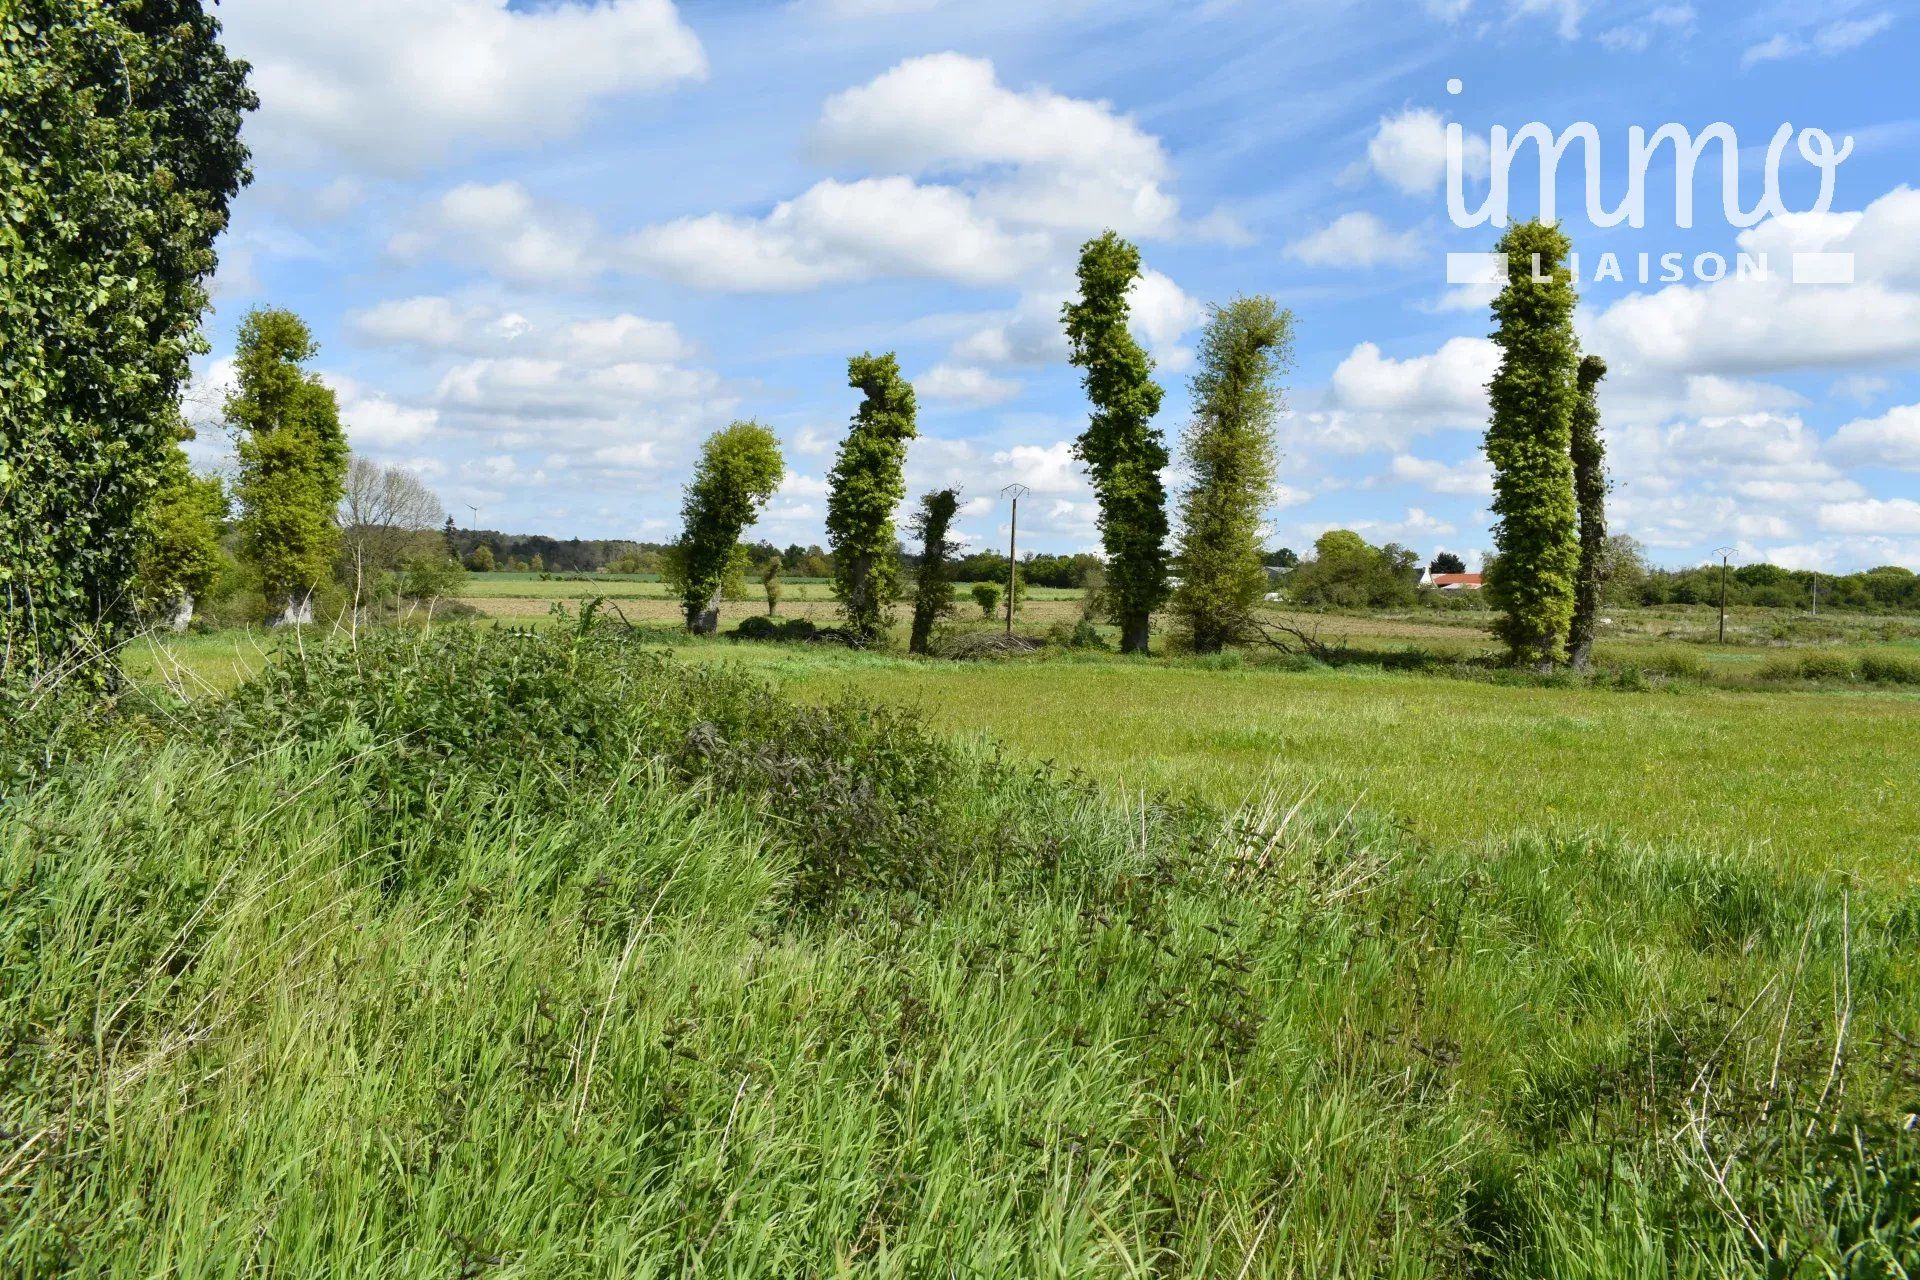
(489, 953)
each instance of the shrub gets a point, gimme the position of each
(1076, 635)
(987, 596)
(1889, 668)
(756, 627)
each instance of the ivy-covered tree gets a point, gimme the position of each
(1529, 442)
(933, 587)
(738, 471)
(1589, 454)
(1231, 455)
(119, 154)
(1122, 449)
(770, 583)
(863, 489)
(293, 462)
(179, 549)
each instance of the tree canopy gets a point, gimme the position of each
(119, 154)
(865, 486)
(1231, 456)
(293, 461)
(1529, 443)
(1123, 450)
(738, 471)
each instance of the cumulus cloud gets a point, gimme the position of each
(975, 182)
(1160, 313)
(965, 384)
(1897, 517)
(1043, 468)
(1355, 240)
(1472, 478)
(1756, 325)
(1890, 440)
(445, 76)
(433, 323)
(1409, 150)
(502, 226)
(1447, 387)
(838, 232)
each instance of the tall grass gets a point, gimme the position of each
(538, 956)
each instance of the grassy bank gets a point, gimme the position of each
(525, 956)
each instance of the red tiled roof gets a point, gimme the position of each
(1455, 580)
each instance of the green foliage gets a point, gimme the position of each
(1122, 448)
(1346, 572)
(863, 489)
(1589, 455)
(552, 957)
(1447, 562)
(987, 596)
(1231, 454)
(738, 471)
(933, 583)
(770, 583)
(119, 153)
(293, 459)
(179, 554)
(480, 559)
(431, 577)
(1529, 442)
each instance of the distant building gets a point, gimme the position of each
(1452, 581)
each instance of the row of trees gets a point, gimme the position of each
(1229, 447)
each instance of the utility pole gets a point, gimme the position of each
(1016, 492)
(1726, 556)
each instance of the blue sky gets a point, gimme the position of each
(547, 247)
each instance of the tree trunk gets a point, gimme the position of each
(1134, 633)
(181, 615)
(295, 611)
(707, 621)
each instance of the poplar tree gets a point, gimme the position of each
(1231, 454)
(120, 152)
(1122, 449)
(864, 488)
(933, 586)
(293, 462)
(1589, 454)
(1529, 443)
(738, 471)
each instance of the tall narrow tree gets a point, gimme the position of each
(863, 489)
(120, 152)
(1230, 452)
(738, 471)
(179, 553)
(933, 586)
(1590, 497)
(293, 462)
(1529, 441)
(1122, 449)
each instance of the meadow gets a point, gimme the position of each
(548, 952)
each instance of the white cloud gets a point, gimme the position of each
(1355, 240)
(965, 384)
(1044, 469)
(1834, 38)
(1666, 22)
(1022, 176)
(1161, 315)
(1409, 150)
(1890, 440)
(399, 87)
(503, 227)
(1754, 325)
(837, 232)
(1883, 517)
(845, 10)
(1449, 385)
(1472, 478)
(372, 419)
(432, 323)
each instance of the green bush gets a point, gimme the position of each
(1076, 635)
(1889, 668)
